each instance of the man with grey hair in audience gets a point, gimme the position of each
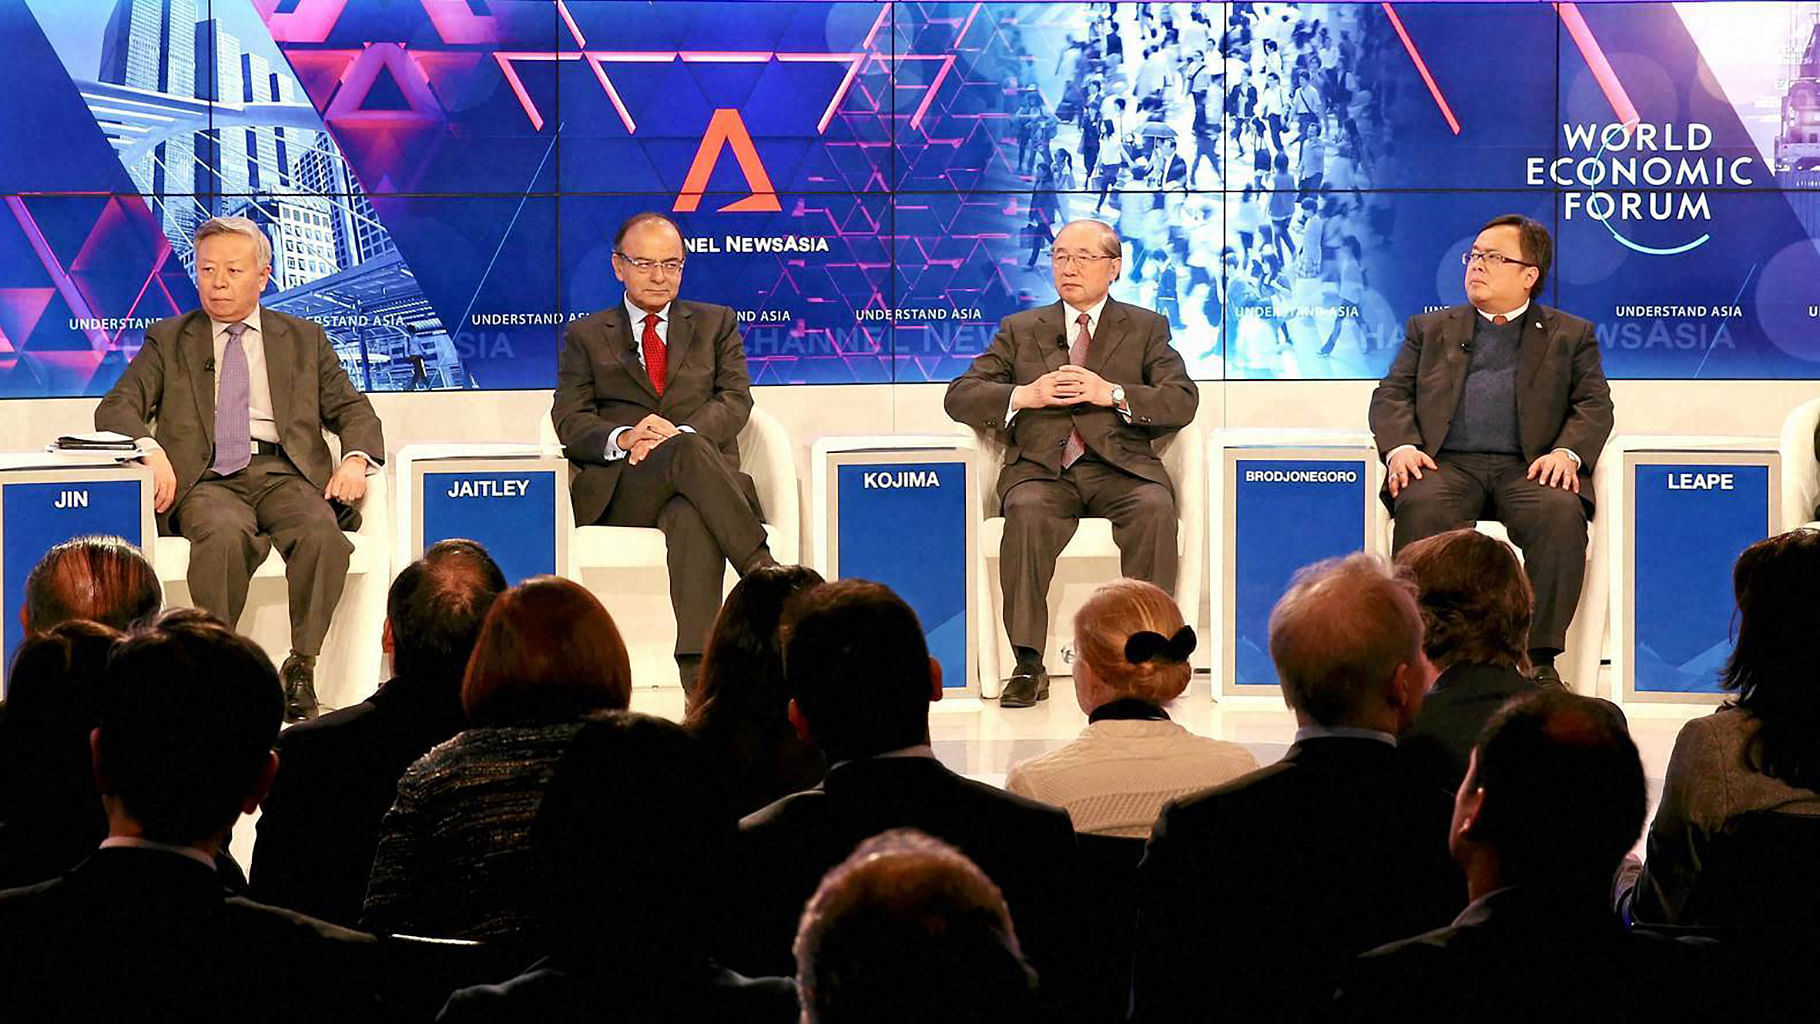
(240, 396)
(1255, 895)
(91, 578)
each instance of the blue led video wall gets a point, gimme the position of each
(873, 185)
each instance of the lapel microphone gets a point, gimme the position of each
(209, 367)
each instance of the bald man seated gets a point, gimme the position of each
(1079, 389)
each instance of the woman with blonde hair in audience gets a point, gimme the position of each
(454, 852)
(1131, 651)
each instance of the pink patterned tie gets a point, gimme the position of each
(1077, 355)
(233, 407)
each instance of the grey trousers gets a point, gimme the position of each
(1547, 524)
(1042, 515)
(232, 523)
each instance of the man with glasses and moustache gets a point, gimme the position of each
(1497, 410)
(650, 396)
(1080, 389)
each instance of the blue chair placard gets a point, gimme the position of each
(903, 518)
(512, 506)
(43, 507)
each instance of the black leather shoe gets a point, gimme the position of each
(1028, 685)
(1547, 675)
(299, 678)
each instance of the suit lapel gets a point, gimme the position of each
(1456, 337)
(676, 346)
(1049, 323)
(198, 355)
(1533, 346)
(620, 337)
(280, 348)
(1115, 323)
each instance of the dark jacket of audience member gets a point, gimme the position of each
(862, 680)
(338, 774)
(908, 930)
(628, 847)
(144, 929)
(1552, 802)
(455, 849)
(93, 579)
(1476, 604)
(1760, 753)
(739, 710)
(50, 814)
(1255, 895)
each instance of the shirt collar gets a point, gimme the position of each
(1515, 314)
(638, 315)
(136, 843)
(1344, 732)
(251, 322)
(1093, 313)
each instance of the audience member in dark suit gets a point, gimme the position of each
(144, 929)
(338, 775)
(628, 848)
(908, 930)
(650, 398)
(1475, 603)
(1553, 800)
(1254, 895)
(739, 709)
(454, 851)
(99, 579)
(862, 680)
(50, 814)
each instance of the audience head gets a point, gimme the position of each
(1347, 642)
(57, 678)
(1475, 599)
(859, 671)
(188, 720)
(908, 929)
(547, 651)
(1553, 795)
(101, 579)
(742, 671)
(435, 608)
(628, 836)
(1777, 586)
(1130, 641)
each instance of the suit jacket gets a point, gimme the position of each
(1562, 398)
(337, 777)
(601, 385)
(549, 994)
(147, 935)
(1130, 348)
(1463, 699)
(1025, 847)
(1526, 954)
(172, 381)
(1254, 896)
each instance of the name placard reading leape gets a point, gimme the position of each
(1285, 513)
(42, 514)
(1689, 522)
(511, 511)
(905, 524)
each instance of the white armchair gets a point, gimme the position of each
(1800, 470)
(629, 571)
(348, 669)
(1184, 455)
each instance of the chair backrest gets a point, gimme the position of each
(1800, 470)
(1763, 873)
(768, 457)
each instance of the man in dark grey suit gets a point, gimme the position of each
(1504, 404)
(650, 398)
(1082, 387)
(241, 395)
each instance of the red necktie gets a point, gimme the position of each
(1077, 355)
(655, 355)
(1500, 319)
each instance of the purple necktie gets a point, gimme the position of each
(1077, 355)
(233, 407)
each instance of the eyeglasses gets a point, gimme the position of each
(641, 264)
(1494, 260)
(1069, 259)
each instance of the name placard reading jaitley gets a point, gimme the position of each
(1688, 521)
(510, 511)
(40, 509)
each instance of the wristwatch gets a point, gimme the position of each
(1118, 395)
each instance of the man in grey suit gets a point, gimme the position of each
(1081, 387)
(241, 395)
(1504, 404)
(650, 398)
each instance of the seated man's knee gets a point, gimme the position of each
(1560, 510)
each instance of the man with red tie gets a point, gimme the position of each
(650, 396)
(1080, 388)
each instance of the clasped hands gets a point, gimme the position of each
(645, 435)
(1068, 385)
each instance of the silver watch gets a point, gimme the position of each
(1118, 394)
